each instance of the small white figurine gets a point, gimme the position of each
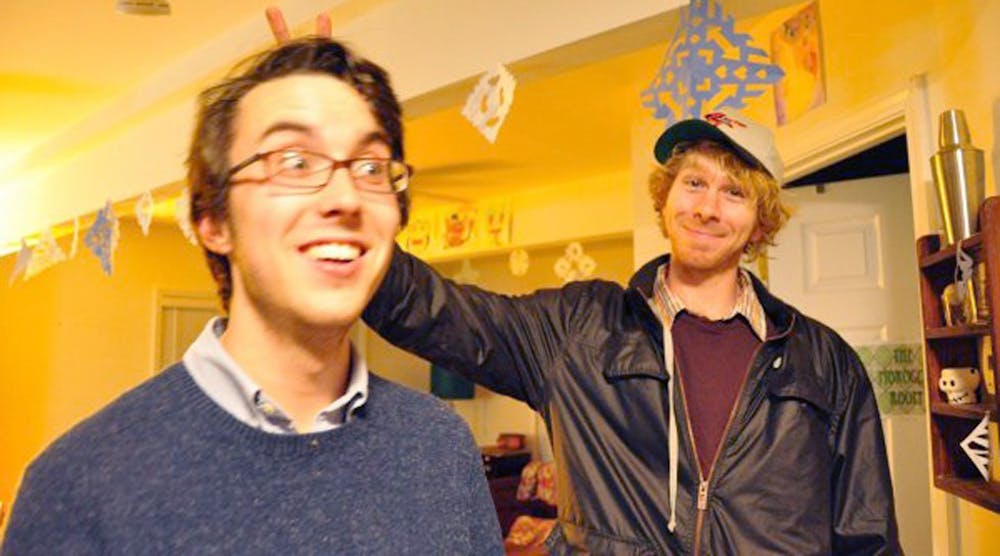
(960, 384)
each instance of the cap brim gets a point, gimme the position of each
(696, 130)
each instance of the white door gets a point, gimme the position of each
(847, 258)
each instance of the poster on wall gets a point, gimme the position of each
(897, 375)
(458, 229)
(797, 48)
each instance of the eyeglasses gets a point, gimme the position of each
(307, 171)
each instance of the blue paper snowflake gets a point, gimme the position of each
(102, 237)
(708, 66)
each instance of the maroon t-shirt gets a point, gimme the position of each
(712, 359)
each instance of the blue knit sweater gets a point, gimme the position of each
(164, 470)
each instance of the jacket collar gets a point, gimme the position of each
(779, 313)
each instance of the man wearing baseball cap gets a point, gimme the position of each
(692, 412)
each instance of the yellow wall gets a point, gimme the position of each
(73, 339)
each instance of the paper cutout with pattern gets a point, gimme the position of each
(75, 244)
(519, 262)
(489, 103)
(45, 254)
(708, 66)
(575, 264)
(182, 211)
(144, 212)
(21, 264)
(102, 237)
(977, 447)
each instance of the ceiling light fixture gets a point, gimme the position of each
(143, 7)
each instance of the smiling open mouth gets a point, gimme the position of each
(335, 252)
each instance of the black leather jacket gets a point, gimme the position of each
(802, 467)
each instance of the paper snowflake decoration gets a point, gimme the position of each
(144, 212)
(490, 101)
(46, 253)
(21, 264)
(708, 66)
(182, 211)
(519, 262)
(575, 264)
(977, 447)
(102, 237)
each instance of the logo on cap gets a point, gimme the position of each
(718, 119)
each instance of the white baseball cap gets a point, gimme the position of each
(750, 140)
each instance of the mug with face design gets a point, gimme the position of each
(960, 384)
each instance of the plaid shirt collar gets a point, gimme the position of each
(668, 305)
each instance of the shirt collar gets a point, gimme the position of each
(668, 305)
(226, 383)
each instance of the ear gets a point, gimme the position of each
(215, 235)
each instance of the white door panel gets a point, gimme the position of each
(847, 258)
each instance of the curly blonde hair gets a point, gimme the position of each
(762, 189)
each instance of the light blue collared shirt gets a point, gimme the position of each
(222, 380)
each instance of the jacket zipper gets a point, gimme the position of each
(703, 482)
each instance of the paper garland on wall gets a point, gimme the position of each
(75, 244)
(458, 229)
(21, 264)
(977, 447)
(708, 66)
(45, 254)
(102, 237)
(182, 211)
(489, 103)
(144, 212)
(575, 264)
(519, 262)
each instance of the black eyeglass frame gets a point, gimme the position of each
(334, 165)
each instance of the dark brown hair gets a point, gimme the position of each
(208, 157)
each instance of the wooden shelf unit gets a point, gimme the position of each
(959, 346)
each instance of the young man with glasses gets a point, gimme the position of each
(271, 436)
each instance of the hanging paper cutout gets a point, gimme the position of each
(467, 274)
(489, 103)
(76, 238)
(46, 253)
(21, 264)
(708, 66)
(519, 262)
(182, 211)
(102, 237)
(575, 264)
(144, 212)
(977, 447)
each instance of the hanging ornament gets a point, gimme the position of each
(144, 212)
(708, 66)
(21, 264)
(76, 238)
(519, 262)
(182, 211)
(977, 447)
(467, 274)
(46, 253)
(575, 264)
(489, 103)
(102, 237)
